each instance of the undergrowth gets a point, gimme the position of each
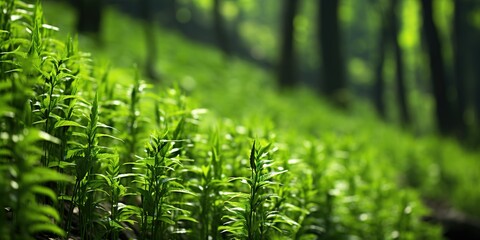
(88, 154)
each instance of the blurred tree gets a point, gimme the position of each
(477, 84)
(89, 16)
(167, 10)
(462, 43)
(460, 49)
(399, 68)
(287, 64)
(443, 108)
(379, 82)
(334, 82)
(147, 8)
(240, 15)
(388, 36)
(219, 28)
(474, 39)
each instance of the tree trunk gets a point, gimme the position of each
(166, 11)
(89, 16)
(219, 28)
(477, 90)
(399, 74)
(149, 26)
(476, 78)
(461, 52)
(443, 111)
(286, 67)
(334, 83)
(473, 60)
(379, 84)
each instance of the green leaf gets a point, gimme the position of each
(124, 175)
(252, 158)
(46, 227)
(41, 175)
(178, 129)
(61, 164)
(115, 224)
(102, 156)
(272, 174)
(67, 123)
(183, 191)
(79, 134)
(65, 198)
(186, 218)
(47, 137)
(167, 220)
(38, 189)
(280, 218)
(108, 136)
(47, 210)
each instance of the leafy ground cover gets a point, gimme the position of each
(89, 150)
(240, 92)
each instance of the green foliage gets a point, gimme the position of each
(256, 215)
(160, 208)
(24, 179)
(92, 151)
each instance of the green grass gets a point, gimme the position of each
(110, 155)
(245, 94)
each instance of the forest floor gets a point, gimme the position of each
(438, 168)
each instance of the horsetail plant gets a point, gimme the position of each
(209, 184)
(20, 154)
(86, 165)
(66, 122)
(158, 182)
(134, 112)
(119, 213)
(27, 182)
(26, 178)
(250, 217)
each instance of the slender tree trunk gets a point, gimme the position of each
(477, 89)
(379, 85)
(219, 28)
(399, 74)
(443, 111)
(476, 78)
(89, 16)
(166, 11)
(473, 39)
(150, 39)
(235, 39)
(334, 82)
(286, 68)
(461, 49)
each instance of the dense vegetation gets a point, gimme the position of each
(90, 150)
